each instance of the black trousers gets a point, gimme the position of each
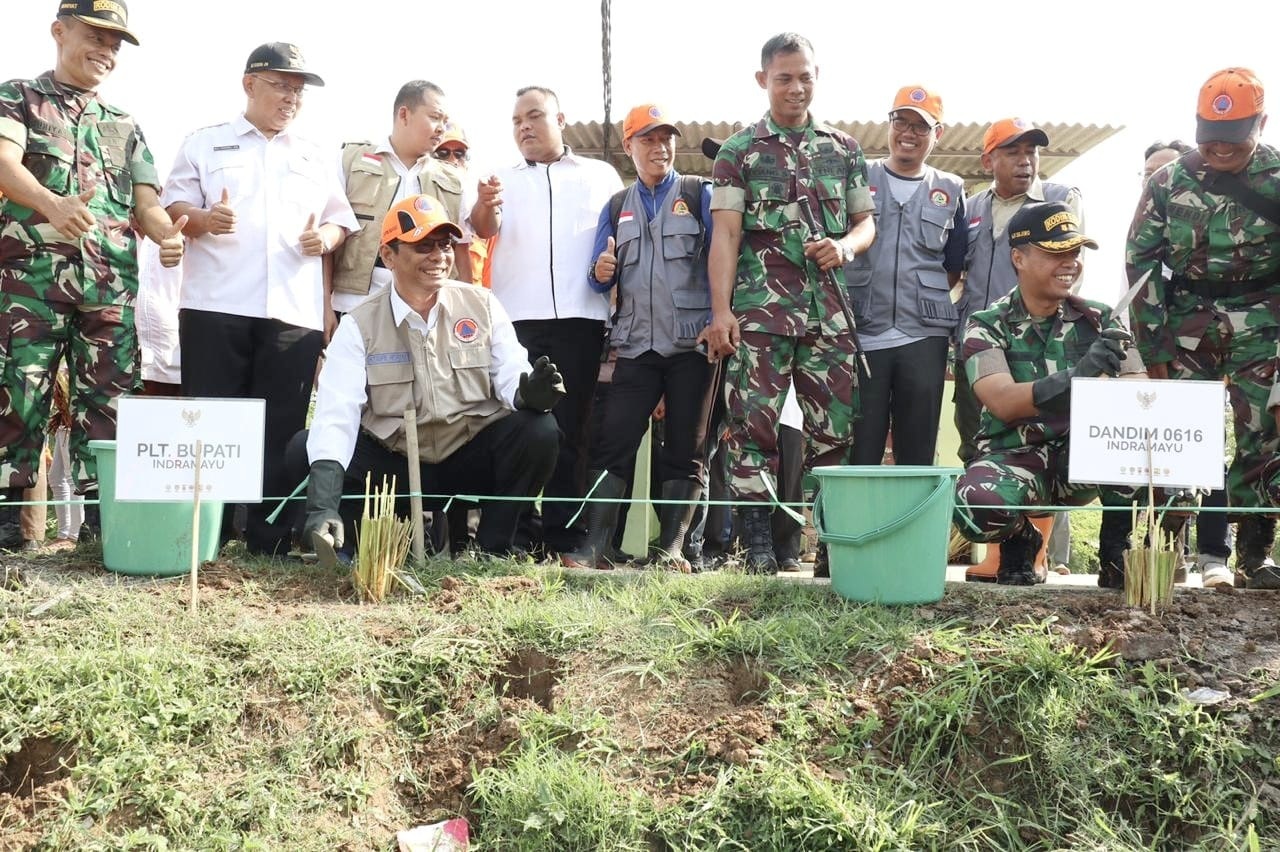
(904, 394)
(230, 356)
(575, 346)
(787, 531)
(511, 457)
(638, 383)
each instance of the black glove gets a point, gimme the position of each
(541, 389)
(1052, 394)
(324, 491)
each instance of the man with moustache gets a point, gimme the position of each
(1212, 217)
(544, 211)
(446, 349)
(264, 206)
(78, 184)
(1021, 354)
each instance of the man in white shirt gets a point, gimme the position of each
(447, 350)
(544, 211)
(263, 207)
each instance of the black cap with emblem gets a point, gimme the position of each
(280, 56)
(104, 14)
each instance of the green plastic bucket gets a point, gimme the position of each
(149, 539)
(887, 528)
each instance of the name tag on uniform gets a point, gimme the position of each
(387, 358)
(226, 147)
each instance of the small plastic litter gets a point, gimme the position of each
(451, 836)
(1204, 696)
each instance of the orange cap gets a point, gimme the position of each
(1229, 105)
(455, 133)
(415, 218)
(644, 118)
(1007, 131)
(920, 99)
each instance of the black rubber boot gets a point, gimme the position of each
(10, 522)
(1113, 541)
(673, 522)
(1255, 537)
(1018, 556)
(821, 561)
(601, 519)
(756, 532)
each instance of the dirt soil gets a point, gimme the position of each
(1224, 641)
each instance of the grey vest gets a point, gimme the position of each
(663, 296)
(900, 282)
(989, 271)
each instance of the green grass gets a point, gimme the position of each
(572, 712)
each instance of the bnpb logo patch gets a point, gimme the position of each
(466, 330)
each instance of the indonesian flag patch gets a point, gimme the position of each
(626, 216)
(371, 160)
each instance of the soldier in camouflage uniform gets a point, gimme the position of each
(1217, 317)
(1021, 354)
(776, 282)
(73, 170)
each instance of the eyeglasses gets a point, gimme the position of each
(283, 88)
(458, 154)
(902, 125)
(430, 246)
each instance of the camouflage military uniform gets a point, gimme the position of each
(63, 298)
(788, 312)
(1218, 317)
(1024, 463)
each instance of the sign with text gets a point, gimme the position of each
(156, 440)
(1124, 431)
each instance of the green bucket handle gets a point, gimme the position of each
(944, 484)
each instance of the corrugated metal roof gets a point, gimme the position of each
(958, 151)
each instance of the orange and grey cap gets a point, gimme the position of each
(280, 56)
(1230, 105)
(644, 118)
(1009, 131)
(1050, 225)
(919, 99)
(416, 218)
(103, 14)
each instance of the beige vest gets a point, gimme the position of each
(370, 189)
(443, 375)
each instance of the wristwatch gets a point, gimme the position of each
(847, 254)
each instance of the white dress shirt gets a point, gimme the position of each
(341, 393)
(274, 186)
(547, 231)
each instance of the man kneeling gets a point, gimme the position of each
(447, 351)
(1020, 356)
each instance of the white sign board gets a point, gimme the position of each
(156, 449)
(1123, 428)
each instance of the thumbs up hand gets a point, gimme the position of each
(172, 244)
(312, 241)
(70, 214)
(606, 263)
(222, 218)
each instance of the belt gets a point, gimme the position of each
(1251, 289)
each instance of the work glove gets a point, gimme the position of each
(324, 491)
(541, 389)
(1052, 394)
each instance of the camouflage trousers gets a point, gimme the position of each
(756, 383)
(99, 345)
(1246, 360)
(1025, 476)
